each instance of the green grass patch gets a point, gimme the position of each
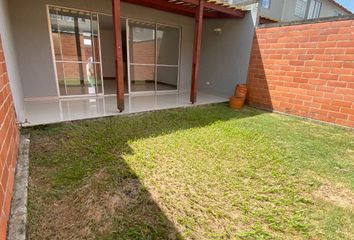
(196, 173)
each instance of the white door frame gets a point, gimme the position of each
(156, 92)
(62, 61)
(126, 19)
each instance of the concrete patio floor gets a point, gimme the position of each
(40, 112)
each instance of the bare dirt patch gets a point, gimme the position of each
(89, 207)
(337, 195)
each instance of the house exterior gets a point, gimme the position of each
(64, 60)
(296, 10)
(68, 49)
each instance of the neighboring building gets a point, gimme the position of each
(295, 10)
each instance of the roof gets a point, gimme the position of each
(269, 18)
(212, 8)
(341, 6)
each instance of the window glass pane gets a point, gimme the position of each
(142, 78)
(167, 45)
(311, 10)
(142, 42)
(95, 38)
(167, 78)
(79, 78)
(99, 78)
(265, 3)
(56, 45)
(75, 35)
(55, 33)
(75, 39)
(300, 8)
(315, 9)
(61, 79)
(153, 56)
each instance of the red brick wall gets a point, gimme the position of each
(305, 70)
(143, 52)
(65, 47)
(9, 142)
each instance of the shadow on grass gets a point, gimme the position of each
(81, 186)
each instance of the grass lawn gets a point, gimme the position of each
(196, 173)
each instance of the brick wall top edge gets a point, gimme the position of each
(309, 21)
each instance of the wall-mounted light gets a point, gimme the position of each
(218, 31)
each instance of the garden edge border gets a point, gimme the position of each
(18, 215)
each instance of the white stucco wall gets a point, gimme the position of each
(225, 57)
(32, 39)
(11, 60)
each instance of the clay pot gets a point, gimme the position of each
(241, 90)
(237, 102)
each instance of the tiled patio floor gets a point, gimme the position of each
(60, 110)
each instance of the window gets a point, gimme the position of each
(76, 49)
(265, 3)
(153, 56)
(300, 8)
(315, 9)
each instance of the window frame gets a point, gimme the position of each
(315, 8)
(302, 8)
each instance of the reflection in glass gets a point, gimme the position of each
(55, 33)
(141, 42)
(167, 45)
(99, 80)
(75, 35)
(167, 78)
(154, 56)
(95, 37)
(77, 52)
(61, 78)
(142, 78)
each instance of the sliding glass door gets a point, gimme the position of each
(142, 56)
(75, 39)
(154, 51)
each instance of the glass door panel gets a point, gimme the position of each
(79, 79)
(75, 37)
(167, 45)
(142, 50)
(153, 56)
(168, 41)
(166, 78)
(95, 38)
(99, 78)
(54, 23)
(141, 43)
(61, 78)
(142, 78)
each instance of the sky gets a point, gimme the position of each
(349, 4)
